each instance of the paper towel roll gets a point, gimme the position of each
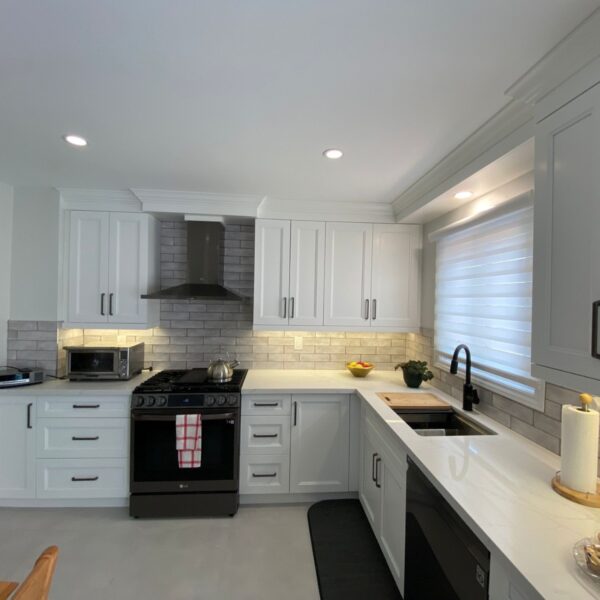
(579, 448)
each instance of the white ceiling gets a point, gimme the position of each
(242, 97)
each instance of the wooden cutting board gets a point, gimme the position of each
(413, 401)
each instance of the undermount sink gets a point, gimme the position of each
(442, 422)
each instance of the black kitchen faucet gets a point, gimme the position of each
(470, 395)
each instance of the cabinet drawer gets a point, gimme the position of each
(82, 438)
(84, 406)
(264, 474)
(82, 478)
(265, 435)
(267, 404)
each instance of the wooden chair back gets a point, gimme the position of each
(37, 584)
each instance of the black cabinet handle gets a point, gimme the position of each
(292, 306)
(76, 438)
(85, 478)
(285, 308)
(295, 413)
(86, 406)
(374, 310)
(259, 475)
(259, 404)
(265, 435)
(110, 304)
(29, 425)
(377, 462)
(366, 310)
(102, 303)
(595, 307)
(375, 455)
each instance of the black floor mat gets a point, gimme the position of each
(349, 562)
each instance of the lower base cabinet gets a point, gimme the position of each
(382, 493)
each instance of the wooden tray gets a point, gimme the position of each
(416, 402)
(585, 498)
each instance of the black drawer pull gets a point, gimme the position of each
(265, 435)
(261, 404)
(76, 438)
(86, 406)
(85, 478)
(258, 475)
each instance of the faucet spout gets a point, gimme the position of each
(470, 395)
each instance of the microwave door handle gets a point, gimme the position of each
(219, 417)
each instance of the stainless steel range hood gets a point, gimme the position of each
(205, 265)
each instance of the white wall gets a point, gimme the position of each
(35, 254)
(6, 222)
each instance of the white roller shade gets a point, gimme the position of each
(483, 299)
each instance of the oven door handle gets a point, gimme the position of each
(219, 417)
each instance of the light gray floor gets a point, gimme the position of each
(263, 553)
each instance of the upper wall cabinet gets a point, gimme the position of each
(372, 276)
(113, 259)
(566, 295)
(288, 279)
(312, 274)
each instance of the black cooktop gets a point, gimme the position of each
(189, 380)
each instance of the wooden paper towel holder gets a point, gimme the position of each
(585, 498)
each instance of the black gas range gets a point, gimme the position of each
(158, 487)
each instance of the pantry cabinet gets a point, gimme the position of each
(566, 293)
(372, 276)
(288, 282)
(17, 447)
(113, 259)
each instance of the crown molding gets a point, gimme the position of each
(509, 127)
(304, 210)
(203, 203)
(569, 56)
(108, 200)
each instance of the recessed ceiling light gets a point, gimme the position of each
(463, 195)
(333, 153)
(75, 140)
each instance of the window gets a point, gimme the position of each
(483, 299)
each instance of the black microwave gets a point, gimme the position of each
(96, 363)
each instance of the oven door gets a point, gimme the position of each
(154, 465)
(93, 364)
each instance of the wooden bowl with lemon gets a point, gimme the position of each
(359, 368)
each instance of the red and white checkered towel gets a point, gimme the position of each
(188, 433)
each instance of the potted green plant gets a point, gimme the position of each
(415, 372)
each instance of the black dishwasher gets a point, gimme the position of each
(444, 559)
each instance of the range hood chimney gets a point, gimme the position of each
(205, 264)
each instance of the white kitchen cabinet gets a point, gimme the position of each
(382, 493)
(307, 266)
(369, 490)
(271, 272)
(289, 266)
(372, 276)
(264, 474)
(348, 249)
(17, 447)
(113, 260)
(320, 443)
(265, 435)
(567, 244)
(395, 276)
(391, 476)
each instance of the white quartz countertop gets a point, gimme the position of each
(499, 484)
(64, 387)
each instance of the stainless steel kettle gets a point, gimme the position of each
(220, 370)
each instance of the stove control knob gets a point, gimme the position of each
(150, 401)
(232, 400)
(161, 401)
(221, 400)
(139, 401)
(209, 401)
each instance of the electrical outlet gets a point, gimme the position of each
(298, 342)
